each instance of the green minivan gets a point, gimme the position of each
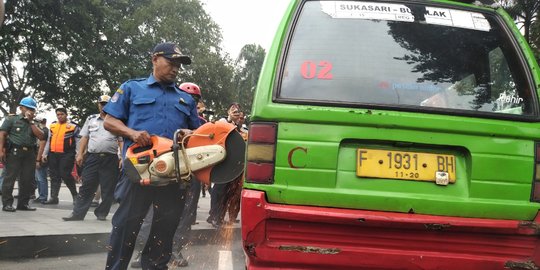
(394, 135)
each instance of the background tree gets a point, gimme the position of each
(27, 44)
(535, 39)
(248, 67)
(67, 53)
(525, 12)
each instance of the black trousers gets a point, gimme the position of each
(218, 203)
(168, 204)
(99, 169)
(60, 168)
(21, 164)
(189, 216)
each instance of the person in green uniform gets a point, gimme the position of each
(18, 152)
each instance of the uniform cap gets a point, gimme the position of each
(172, 52)
(104, 99)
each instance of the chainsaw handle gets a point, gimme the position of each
(141, 137)
(175, 148)
(146, 154)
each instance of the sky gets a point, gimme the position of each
(246, 21)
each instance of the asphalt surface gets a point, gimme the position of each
(43, 233)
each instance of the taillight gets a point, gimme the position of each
(535, 193)
(261, 151)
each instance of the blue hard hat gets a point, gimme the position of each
(28, 102)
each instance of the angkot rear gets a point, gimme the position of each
(394, 135)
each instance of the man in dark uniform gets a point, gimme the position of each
(189, 214)
(156, 106)
(19, 155)
(99, 150)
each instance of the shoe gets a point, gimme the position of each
(94, 204)
(51, 201)
(72, 218)
(26, 207)
(38, 200)
(8, 208)
(216, 224)
(102, 218)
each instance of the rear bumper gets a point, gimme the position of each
(299, 237)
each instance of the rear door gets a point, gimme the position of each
(403, 107)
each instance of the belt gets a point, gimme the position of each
(24, 148)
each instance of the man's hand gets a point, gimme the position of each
(140, 137)
(79, 159)
(29, 115)
(183, 133)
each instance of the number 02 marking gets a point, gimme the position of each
(322, 71)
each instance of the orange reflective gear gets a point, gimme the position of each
(63, 137)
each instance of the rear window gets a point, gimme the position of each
(404, 55)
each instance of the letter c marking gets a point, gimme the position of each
(291, 155)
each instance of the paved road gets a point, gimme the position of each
(226, 255)
(43, 233)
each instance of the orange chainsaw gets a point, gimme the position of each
(214, 153)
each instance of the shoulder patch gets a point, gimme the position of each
(115, 97)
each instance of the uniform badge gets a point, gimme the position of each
(115, 96)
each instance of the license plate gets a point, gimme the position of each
(405, 165)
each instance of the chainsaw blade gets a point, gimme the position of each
(233, 165)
